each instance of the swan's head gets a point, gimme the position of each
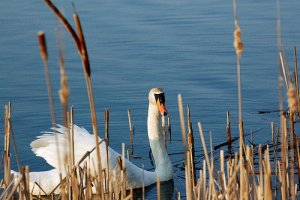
(157, 97)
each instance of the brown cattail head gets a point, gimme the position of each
(83, 50)
(292, 100)
(64, 92)
(238, 44)
(43, 46)
(64, 89)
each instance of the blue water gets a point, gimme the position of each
(184, 47)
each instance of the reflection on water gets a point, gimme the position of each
(182, 46)
(166, 191)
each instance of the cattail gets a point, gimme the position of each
(292, 100)
(43, 46)
(83, 50)
(238, 44)
(64, 92)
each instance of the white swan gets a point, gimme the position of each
(45, 147)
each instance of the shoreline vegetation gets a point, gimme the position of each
(264, 171)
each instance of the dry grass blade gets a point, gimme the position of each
(106, 117)
(130, 131)
(13, 190)
(284, 68)
(182, 123)
(211, 177)
(6, 152)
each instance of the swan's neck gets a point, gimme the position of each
(162, 161)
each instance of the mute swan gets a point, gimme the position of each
(45, 147)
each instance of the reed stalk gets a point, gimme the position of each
(191, 145)
(228, 131)
(267, 176)
(296, 79)
(169, 129)
(158, 187)
(106, 118)
(298, 158)
(13, 190)
(130, 131)
(64, 92)
(182, 124)
(283, 163)
(6, 152)
(123, 172)
(25, 192)
(188, 176)
(238, 45)
(211, 177)
(282, 74)
(44, 55)
(87, 75)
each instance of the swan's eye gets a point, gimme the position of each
(160, 97)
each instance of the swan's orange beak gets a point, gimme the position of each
(162, 108)
(160, 101)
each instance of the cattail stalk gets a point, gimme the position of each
(296, 79)
(188, 176)
(87, 75)
(238, 45)
(228, 131)
(71, 138)
(64, 92)
(211, 178)
(182, 124)
(130, 131)
(7, 156)
(191, 145)
(293, 105)
(44, 55)
(298, 158)
(106, 117)
(25, 190)
(267, 181)
(123, 173)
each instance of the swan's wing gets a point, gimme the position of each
(46, 147)
(42, 182)
(54, 146)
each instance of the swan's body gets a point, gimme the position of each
(46, 147)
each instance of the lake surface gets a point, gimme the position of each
(184, 47)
